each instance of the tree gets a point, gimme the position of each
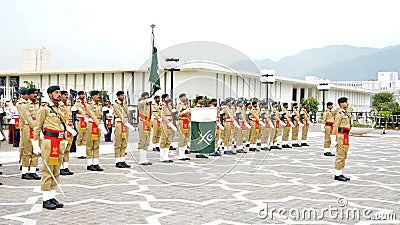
(312, 104)
(385, 102)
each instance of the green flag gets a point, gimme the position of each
(202, 137)
(154, 77)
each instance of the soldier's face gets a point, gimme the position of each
(64, 97)
(330, 107)
(214, 104)
(183, 99)
(157, 100)
(344, 105)
(33, 96)
(121, 97)
(96, 98)
(55, 96)
(81, 96)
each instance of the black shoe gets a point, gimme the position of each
(146, 163)
(35, 176)
(240, 151)
(166, 161)
(37, 168)
(55, 202)
(296, 145)
(82, 157)
(258, 150)
(232, 152)
(329, 154)
(69, 171)
(201, 156)
(154, 149)
(20, 167)
(258, 144)
(247, 145)
(49, 205)
(27, 176)
(170, 160)
(304, 144)
(265, 148)
(63, 172)
(119, 165)
(187, 152)
(347, 178)
(285, 146)
(1, 173)
(126, 165)
(97, 167)
(340, 178)
(91, 168)
(252, 149)
(171, 148)
(216, 153)
(186, 158)
(157, 149)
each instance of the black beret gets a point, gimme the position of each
(227, 100)
(157, 96)
(182, 95)
(64, 92)
(263, 103)
(51, 89)
(303, 104)
(274, 103)
(81, 92)
(254, 103)
(342, 99)
(120, 93)
(213, 100)
(285, 104)
(31, 91)
(164, 95)
(239, 101)
(294, 104)
(329, 103)
(94, 92)
(145, 94)
(248, 103)
(199, 97)
(23, 92)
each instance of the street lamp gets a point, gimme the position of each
(323, 86)
(172, 76)
(267, 77)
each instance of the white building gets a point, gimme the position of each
(36, 59)
(388, 81)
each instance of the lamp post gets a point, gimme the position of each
(175, 60)
(267, 77)
(323, 86)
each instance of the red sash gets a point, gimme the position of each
(267, 124)
(330, 124)
(109, 120)
(145, 119)
(123, 131)
(257, 126)
(82, 124)
(16, 119)
(243, 125)
(55, 146)
(287, 123)
(95, 131)
(346, 139)
(277, 124)
(185, 123)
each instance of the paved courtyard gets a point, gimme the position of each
(293, 186)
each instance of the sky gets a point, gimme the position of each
(96, 33)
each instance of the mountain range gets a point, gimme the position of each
(337, 63)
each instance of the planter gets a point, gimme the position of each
(360, 130)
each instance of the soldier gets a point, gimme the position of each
(265, 129)
(227, 114)
(22, 101)
(144, 108)
(183, 110)
(29, 114)
(328, 119)
(121, 132)
(218, 127)
(305, 120)
(108, 117)
(167, 127)
(82, 119)
(241, 131)
(286, 118)
(93, 134)
(275, 119)
(298, 124)
(14, 124)
(156, 108)
(247, 134)
(254, 117)
(52, 123)
(67, 114)
(341, 129)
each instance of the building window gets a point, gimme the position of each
(3, 81)
(14, 81)
(302, 94)
(294, 94)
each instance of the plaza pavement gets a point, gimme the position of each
(253, 188)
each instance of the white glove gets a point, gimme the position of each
(301, 124)
(271, 124)
(291, 124)
(247, 125)
(149, 99)
(102, 128)
(36, 148)
(186, 111)
(220, 126)
(173, 127)
(236, 124)
(282, 123)
(129, 126)
(174, 110)
(159, 119)
(262, 123)
(86, 120)
(72, 131)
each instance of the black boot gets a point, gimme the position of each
(119, 165)
(49, 205)
(55, 202)
(35, 176)
(69, 171)
(126, 165)
(27, 176)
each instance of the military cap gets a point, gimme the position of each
(329, 103)
(263, 103)
(94, 92)
(227, 100)
(285, 104)
(239, 101)
(31, 91)
(182, 95)
(164, 95)
(157, 96)
(64, 92)
(120, 93)
(23, 92)
(145, 94)
(274, 103)
(247, 103)
(213, 100)
(52, 89)
(81, 92)
(303, 104)
(294, 104)
(199, 97)
(342, 100)
(222, 102)
(253, 103)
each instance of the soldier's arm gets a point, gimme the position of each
(324, 117)
(39, 122)
(336, 125)
(92, 115)
(179, 109)
(163, 116)
(27, 117)
(118, 111)
(82, 110)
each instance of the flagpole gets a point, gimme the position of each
(151, 54)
